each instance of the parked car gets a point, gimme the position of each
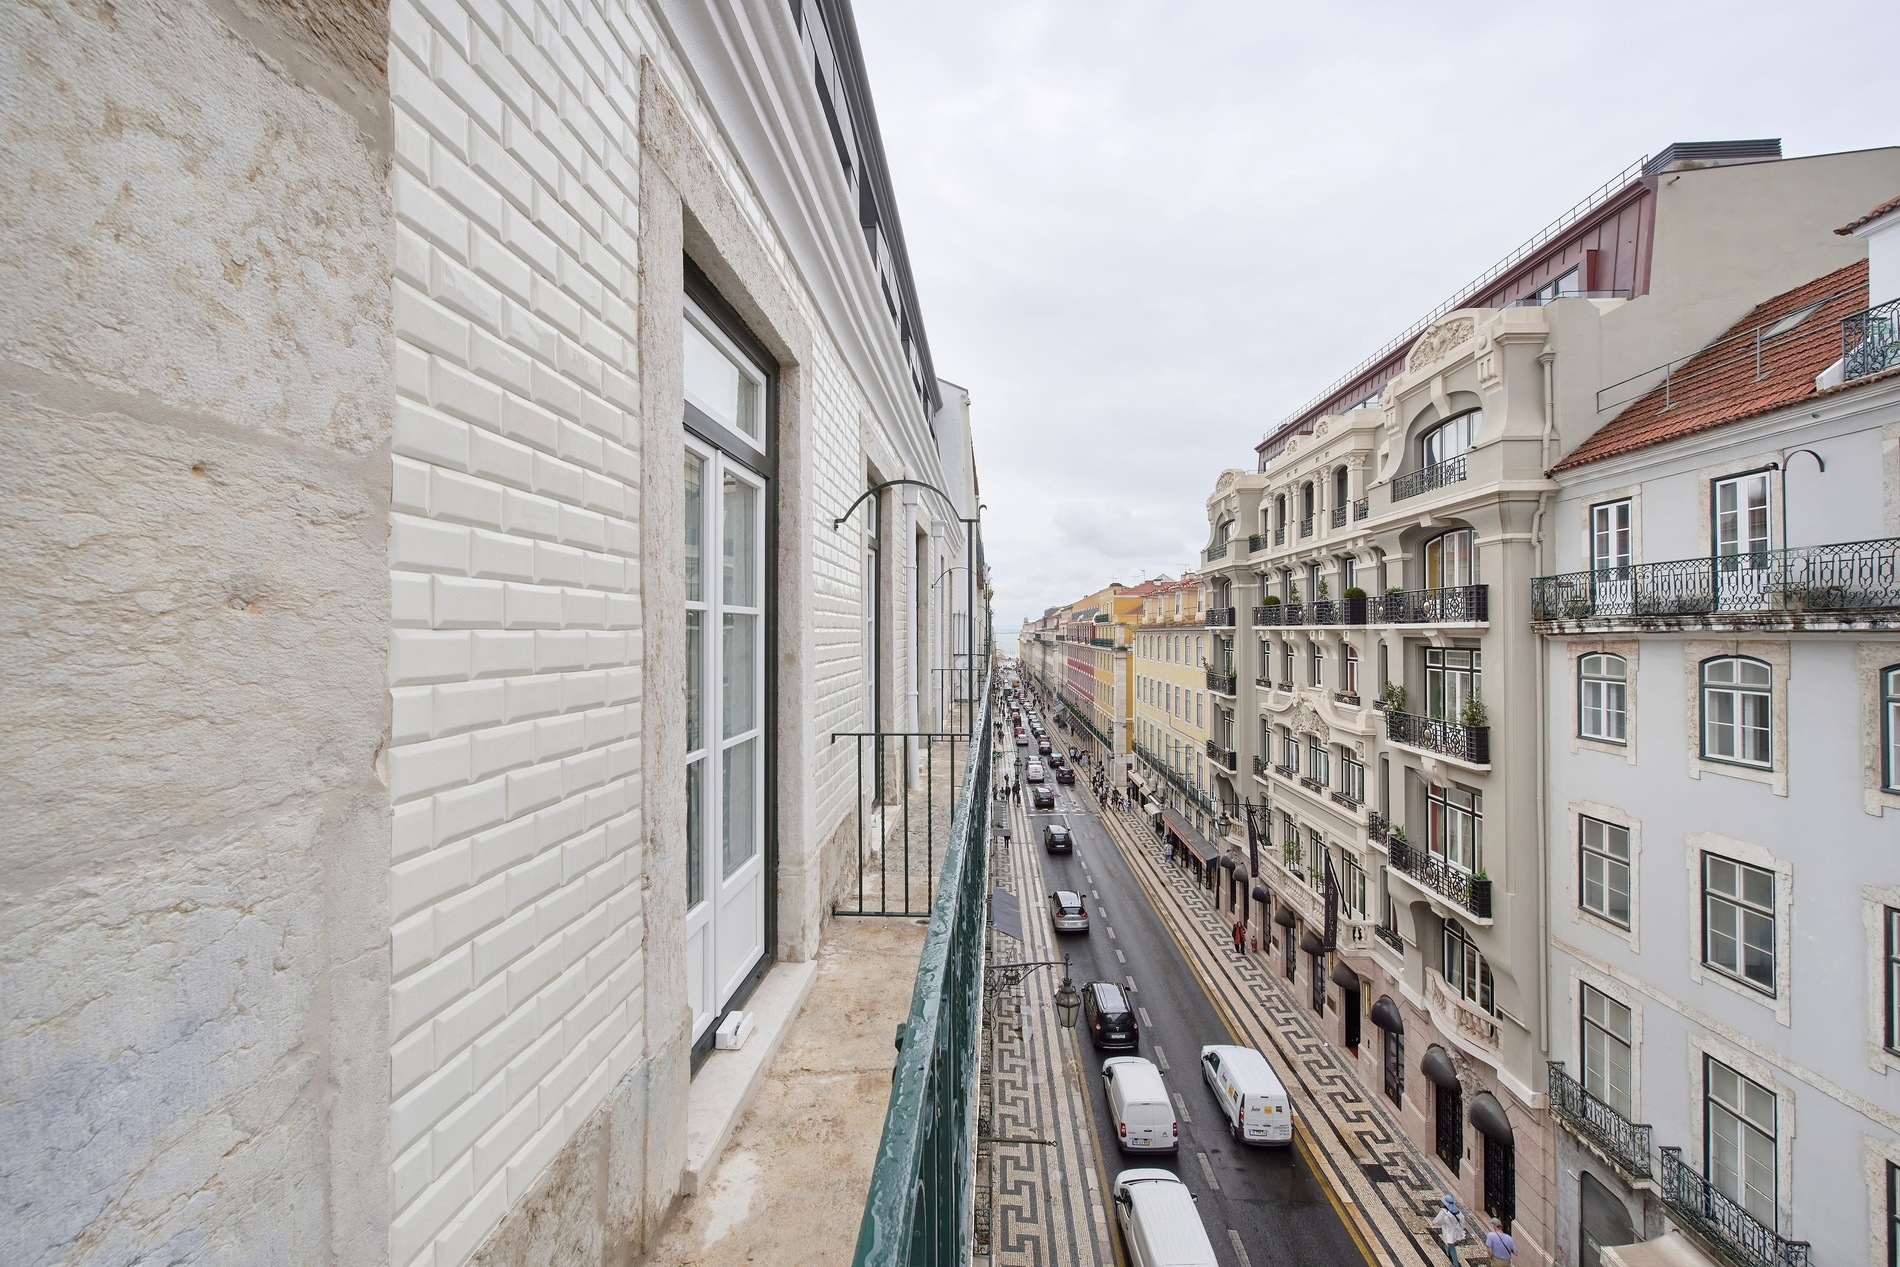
(1042, 747)
(1034, 773)
(1042, 796)
(1022, 740)
(1065, 773)
(1056, 839)
(1250, 1094)
(1159, 1221)
(1138, 1104)
(1067, 913)
(1110, 1017)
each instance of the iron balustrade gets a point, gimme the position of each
(1440, 877)
(1260, 767)
(1279, 535)
(1361, 508)
(1226, 758)
(1256, 542)
(919, 1207)
(1326, 612)
(1390, 936)
(1295, 614)
(1339, 516)
(1452, 604)
(1436, 734)
(1340, 798)
(1425, 479)
(1222, 683)
(1306, 526)
(1220, 617)
(1851, 576)
(1216, 551)
(1376, 826)
(1713, 1214)
(1624, 1142)
(1870, 340)
(1267, 614)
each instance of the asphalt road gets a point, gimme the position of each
(1260, 1205)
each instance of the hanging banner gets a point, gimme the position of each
(1332, 905)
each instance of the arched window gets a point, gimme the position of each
(1279, 511)
(1308, 499)
(1451, 560)
(1339, 486)
(1450, 438)
(1603, 698)
(1223, 532)
(1890, 726)
(1737, 703)
(1465, 969)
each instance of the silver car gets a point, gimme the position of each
(1067, 913)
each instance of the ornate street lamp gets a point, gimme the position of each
(1068, 999)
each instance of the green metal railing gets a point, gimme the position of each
(918, 1210)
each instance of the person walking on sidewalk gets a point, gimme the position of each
(1499, 1245)
(1451, 1227)
(1240, 937)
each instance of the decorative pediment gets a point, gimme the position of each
(1228, 478)
(1308, 721)
(1440, 340)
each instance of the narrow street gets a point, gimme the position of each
(1259, 1205)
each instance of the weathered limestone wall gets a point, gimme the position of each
(195, 395)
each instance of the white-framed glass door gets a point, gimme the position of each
(1742, 561)
(725, 727)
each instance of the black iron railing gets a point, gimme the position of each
(1256, 542)
(1220, 617)
(1361, 508)
(1216, 551)
(1295, 614)
(1376, 826)
(1306, 526)
(1325, 612)
(1435, 734)
(1260, 766)
(1267, 614)
(1279, 535)
(1424, 480)
(1469, 604)
(1709, 1211)
(1390, 936)
(1439, 877)
(1222, 683)
(1852, 576)
(1339, 516)
(1226, 758)
(1624, 1142)
(1870, 341)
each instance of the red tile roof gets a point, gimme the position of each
(1721, 384)
(1870, 217)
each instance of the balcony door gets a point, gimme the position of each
(1451, 560)
(1742, 561)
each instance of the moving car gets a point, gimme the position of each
(1056, 839)
(1067, 913)
(1138, 1104)
(1042, 747)
(1250, 1094)
(1065, 773)
(1159, 1221)
(1110, 1017)
(1022, 740)
(1042, 796)
(1034, 773)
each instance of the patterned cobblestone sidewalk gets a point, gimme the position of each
(1387, 1185)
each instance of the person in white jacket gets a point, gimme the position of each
(1450, 1225)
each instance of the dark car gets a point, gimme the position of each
(1108, 1017)
(1065, 773)
(1067, 913)
(1056, 839)
(1042, 796)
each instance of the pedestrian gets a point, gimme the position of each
(1451, 1227)
(1240, 937)
(1499, 1243)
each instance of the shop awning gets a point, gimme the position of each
(1671, 1249)
(1436, 1065)
(1285, 917)
(1344, 977)
(1311, 944)
(1261, 895)
(1488, 1116)
(1180, 829)
(1385, 1014)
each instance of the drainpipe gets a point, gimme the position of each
(1545, 360)
(912, 498)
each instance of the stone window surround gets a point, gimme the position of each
(1774, 653)
(1633, 494)
(1874, 657)
(1573, 880)
(1875, 899)
(1876, 1155)
(1701, 1045)
(1781, 1002)
(1609, 987)
(1631, 651)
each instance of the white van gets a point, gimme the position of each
(1250, 1094)
(1159, 1221)
(1138, 1102)
(1034, 772)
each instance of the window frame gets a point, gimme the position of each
(1890, 977)
(1470, 429)
(1710, 1103)
(1473, 981)
(1744, 906)
(1888, 685)
(1586, 1024)
(1620, 684)
(1603, 528)
(1740, 692)
(1585, 850)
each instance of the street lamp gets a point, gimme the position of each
(1068, 999)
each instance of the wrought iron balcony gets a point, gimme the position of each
(1225, 758)
(1390, 936)
(1260, 767)
(1624, 1142)
(1222, 683)
(1267, 614)
(1339, 516)
(1437, 876)
(1376, 826)
(1220, 617)
(1870, 341)
(1326, 612)
(1256, 542)
(1279, 535)
(1434, 734)
(1453, 604)
(1424, 480)
(1361, 508)
(1295, 614)
(1306, 526)
(1713, 1215)
(1850, 578)
(1214, 552)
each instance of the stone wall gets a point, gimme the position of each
(195, 389)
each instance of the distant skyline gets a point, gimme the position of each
(1143, 237)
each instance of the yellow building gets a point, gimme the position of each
(1172, 711)
(1096, 683)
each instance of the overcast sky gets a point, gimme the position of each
(1143, 233)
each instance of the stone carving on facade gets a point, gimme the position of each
(1228, 478)
(1308, 721)
(1319, 428)
(1490, 376)
(1439, 340)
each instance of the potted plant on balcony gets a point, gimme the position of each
(1355, 605)
(1391, 698)
(1474, 715)
(1295, 609)
(1270, 610)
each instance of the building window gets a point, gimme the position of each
(1289, 750)
(1736, 703)
(1603, 698)
(1739, 1117)
(1318, 766)
(1451, 560)
(1604, 879)
(1352, 886)
(1394, 1066)
(1286, 663)
(1465, 970)
(1456, 827)
(1608, 1035)
(1349, 669)
(1352, 781)
(1348, 570)
(1890, 917)
(1319, 665)
(1452, 676)
(1449, 439)
(1890, 728)
(1316, 860)
(1741, 519)
(1738, 920)
(1610, 536)
(1893, 1215)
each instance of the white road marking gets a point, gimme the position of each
(1120, 958)
(1144, 1017)
(1180, 1108)
(1132, 987)
(1111, 935)
(1208, 1170)
(1240, 1251)
(1161, 1059)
